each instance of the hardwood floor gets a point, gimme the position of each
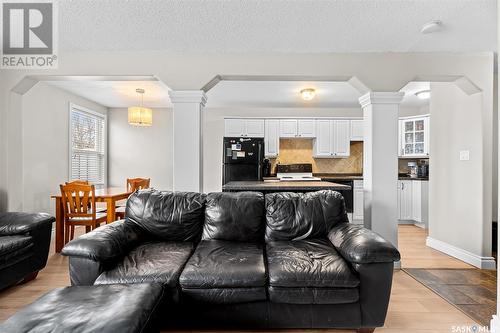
(415, 254)
(413, 308)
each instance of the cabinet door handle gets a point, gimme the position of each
(402, 186)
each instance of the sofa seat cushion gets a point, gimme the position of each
(159, 262)
(306, 295)
(13, 249)
(110, 308)
(225, 272)
(312, 263)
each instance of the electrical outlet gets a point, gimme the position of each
(464, 155)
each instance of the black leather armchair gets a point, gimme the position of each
(24, 246)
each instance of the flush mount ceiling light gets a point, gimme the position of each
(307, 94)
(424, 94)
(431, 27)
(139, 115)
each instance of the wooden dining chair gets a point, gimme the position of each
(99, 209)
(133, 184)
(79, 208)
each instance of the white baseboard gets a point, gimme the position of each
(461, 254)
(495, 324)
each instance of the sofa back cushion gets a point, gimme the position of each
(168, 216)
(235, 216)
(295, 216)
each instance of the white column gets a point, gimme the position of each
(495, 321)
(380, 162)
(188, 139)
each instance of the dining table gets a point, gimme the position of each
(109, 195)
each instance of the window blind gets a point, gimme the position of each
(87, 146)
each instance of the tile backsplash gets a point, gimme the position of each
(301, 151)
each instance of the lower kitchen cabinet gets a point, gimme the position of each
(358, 202)
(413, 202)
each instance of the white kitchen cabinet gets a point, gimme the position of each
(288, 128)
(323, 143)
(358, 205)
(414, 136)
(357, 130)
(332, 138)
(341, 138)
(405, 199)
(297, 128)
(234, 127)
(413, 201)
(272, 138)
(420, 202)
(253, 128)
(306, 128)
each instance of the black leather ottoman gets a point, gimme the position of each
(115, 308)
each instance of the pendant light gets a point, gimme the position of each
(139, 115)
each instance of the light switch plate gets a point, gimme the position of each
(464, 155)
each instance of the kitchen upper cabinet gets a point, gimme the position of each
(405, 199)
(341, 138)
(253, 128)
(414, 136)
(306, 128)
(357, 130)
(234, 127)
(332, 138)
(297, 128)
(288, 128)
(272, 138)
(323, 143)
(358, 202)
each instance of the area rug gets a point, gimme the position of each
(473, 291)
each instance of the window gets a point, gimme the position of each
(87, 142)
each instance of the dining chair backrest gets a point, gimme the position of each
(78, 200)
(134, 184)
(78, 181)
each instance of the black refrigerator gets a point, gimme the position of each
(242, 159)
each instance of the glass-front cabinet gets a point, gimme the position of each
(414, 136)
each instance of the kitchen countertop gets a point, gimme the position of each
(282, 186)
(410, 178)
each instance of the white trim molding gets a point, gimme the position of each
(381, 97)
(461, 254)
(188, 96)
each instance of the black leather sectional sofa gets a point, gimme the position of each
(242, 260)
(24, 246)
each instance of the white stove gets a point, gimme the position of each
(296, 173)
(296, 178)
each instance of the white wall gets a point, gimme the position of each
(213, 133)
(140, 151)
(413, 111)
(45, 144)
(456, 198)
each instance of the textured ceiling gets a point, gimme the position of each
(305, 26)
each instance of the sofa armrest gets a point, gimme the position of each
(15, 223)
(106, 243)
(359, 245)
